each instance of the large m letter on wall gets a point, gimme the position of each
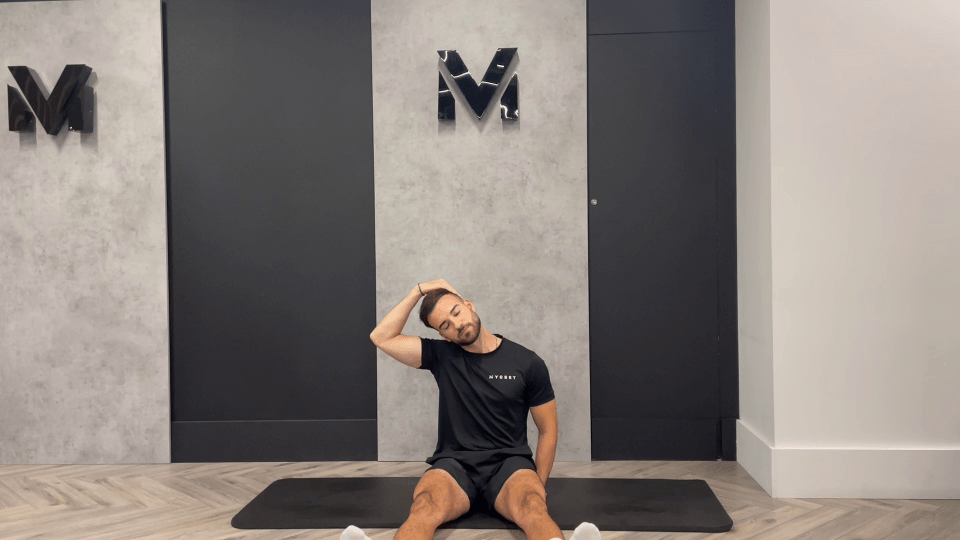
(71, 100)
(478, 95)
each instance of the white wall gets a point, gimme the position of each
(754, 275)
(84, 363)
(864, 113)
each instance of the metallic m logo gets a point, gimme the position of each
(480, 95)
(71, 100)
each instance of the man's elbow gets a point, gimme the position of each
(549, 435)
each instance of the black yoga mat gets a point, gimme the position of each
(384, 503)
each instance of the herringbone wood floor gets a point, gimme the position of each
(197, 501)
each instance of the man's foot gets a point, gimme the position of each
(356, 533)
(586, 531)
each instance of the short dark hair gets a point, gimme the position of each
(430, 301)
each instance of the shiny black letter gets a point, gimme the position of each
(477, 95)
(54, 109)
(21, 119)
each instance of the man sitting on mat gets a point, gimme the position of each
(487, 385)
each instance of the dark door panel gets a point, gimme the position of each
(271, 220)
(653, 245)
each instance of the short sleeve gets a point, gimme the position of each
(427, 354)
(538, 389)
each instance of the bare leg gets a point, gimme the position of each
(437, 499)
(522, 500)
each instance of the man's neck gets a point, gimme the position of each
(487, 342)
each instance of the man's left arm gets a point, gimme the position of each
(545, 416)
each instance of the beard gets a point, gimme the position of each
(471, 334)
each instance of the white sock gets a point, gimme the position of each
(356, 533)
(586, 531)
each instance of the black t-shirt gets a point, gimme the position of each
(485, 398)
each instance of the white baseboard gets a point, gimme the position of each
(755, 456)
(817, 473)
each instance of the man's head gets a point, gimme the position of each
(453, 317)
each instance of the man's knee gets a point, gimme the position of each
(430, 507)
(522, 497)
(425, 505)
(530, 505)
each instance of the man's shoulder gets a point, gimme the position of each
(440, 346)
(519, 351)
(517, 346)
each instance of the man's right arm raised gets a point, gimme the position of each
(386, 336)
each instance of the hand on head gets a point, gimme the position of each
(428, 286)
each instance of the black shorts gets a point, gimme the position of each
(483, 480)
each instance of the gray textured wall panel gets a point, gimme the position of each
(498, 210)
(84, 363)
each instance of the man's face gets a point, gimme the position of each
(456, 320)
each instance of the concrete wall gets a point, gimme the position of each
(84, 362)
(865, 246)
(498, 210)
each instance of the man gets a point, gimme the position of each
(487, 384)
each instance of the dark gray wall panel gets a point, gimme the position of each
(662, 237)
(690, 439)
(639, 16)
(300, 440)
(271, 210)
(727, 221)
(653, 265)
